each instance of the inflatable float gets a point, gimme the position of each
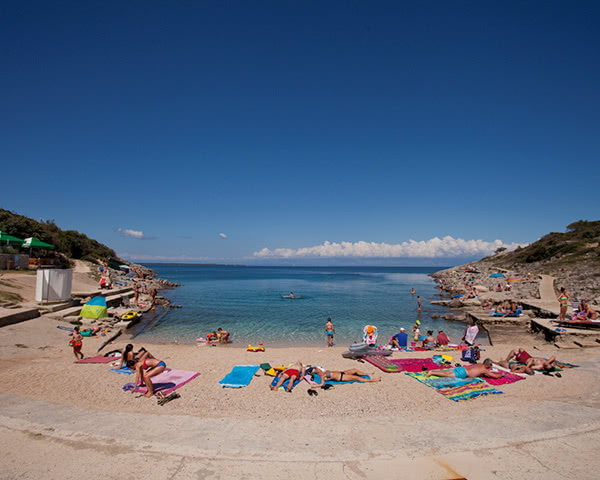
(260, 348)
(129, 315)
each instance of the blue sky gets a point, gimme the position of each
(154, 127)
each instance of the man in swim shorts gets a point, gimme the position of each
(330, 331)
(293, 373)
(534, 363)
(470, 371)
(515, 367)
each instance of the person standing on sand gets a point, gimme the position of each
(330, 331)
(416, 330)
(563, 300)
(146, 368)
(77, 342)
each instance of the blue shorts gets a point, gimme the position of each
(460, 372)
(329, 332)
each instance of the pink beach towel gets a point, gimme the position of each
(417, 364)
(507, 378)
(98, 359)
(168, 381)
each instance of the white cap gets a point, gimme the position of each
(402, 330)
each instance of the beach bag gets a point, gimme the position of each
(470, 355)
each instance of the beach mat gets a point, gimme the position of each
(240, 376)
(416, 364)
(166, 382)
(124, 369)
(315, 379)
(97, 359)
(508, 377)
(381, 362)
(456, 389)
(285, 384)
(562, 365)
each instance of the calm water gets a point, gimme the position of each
(247, 301)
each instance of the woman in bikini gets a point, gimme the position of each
(352, 375)
(563, 300)
(128, 354)
(145, 369)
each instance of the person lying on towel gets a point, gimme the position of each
(293, 373)
(534, 363)
(352, 375)
(470, 371)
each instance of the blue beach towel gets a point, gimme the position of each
(124, 369)
(240, 376)
(285, 384)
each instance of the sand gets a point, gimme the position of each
(81, 418)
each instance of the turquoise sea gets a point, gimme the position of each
(247, 301)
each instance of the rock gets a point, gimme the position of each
(455, 303)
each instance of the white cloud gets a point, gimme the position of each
(177, 258)
(127, 232)
(223, 235)
(435, 247)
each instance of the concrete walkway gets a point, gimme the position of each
(547, 301)
(549, 440)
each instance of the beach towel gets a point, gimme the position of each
(315, 379)
(416, 364)
(124, 369)
(285, 384)
(381, 362)
(508, 377)
(167, 381)
(456, 389)
(471, 333)
(97, 359)
(562, 365)
(240, 376)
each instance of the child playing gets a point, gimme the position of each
(416, 330)
(77, 342)
(330, 331)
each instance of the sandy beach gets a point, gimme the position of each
(78, 414)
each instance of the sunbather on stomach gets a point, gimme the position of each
(351, 375)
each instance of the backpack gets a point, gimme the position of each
(470, 355)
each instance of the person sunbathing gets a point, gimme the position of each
(470, 371)
(352, 375)
(515, 367)
(293, 373)
(145, 369)
(591, 313)
(534, 363)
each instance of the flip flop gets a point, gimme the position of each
(312, 392)
(326, 387)
(558, 375)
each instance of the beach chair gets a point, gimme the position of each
(370, 334)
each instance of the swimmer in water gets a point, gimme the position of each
(292, 295)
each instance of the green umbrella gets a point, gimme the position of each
(7, 239)
(33, 242)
